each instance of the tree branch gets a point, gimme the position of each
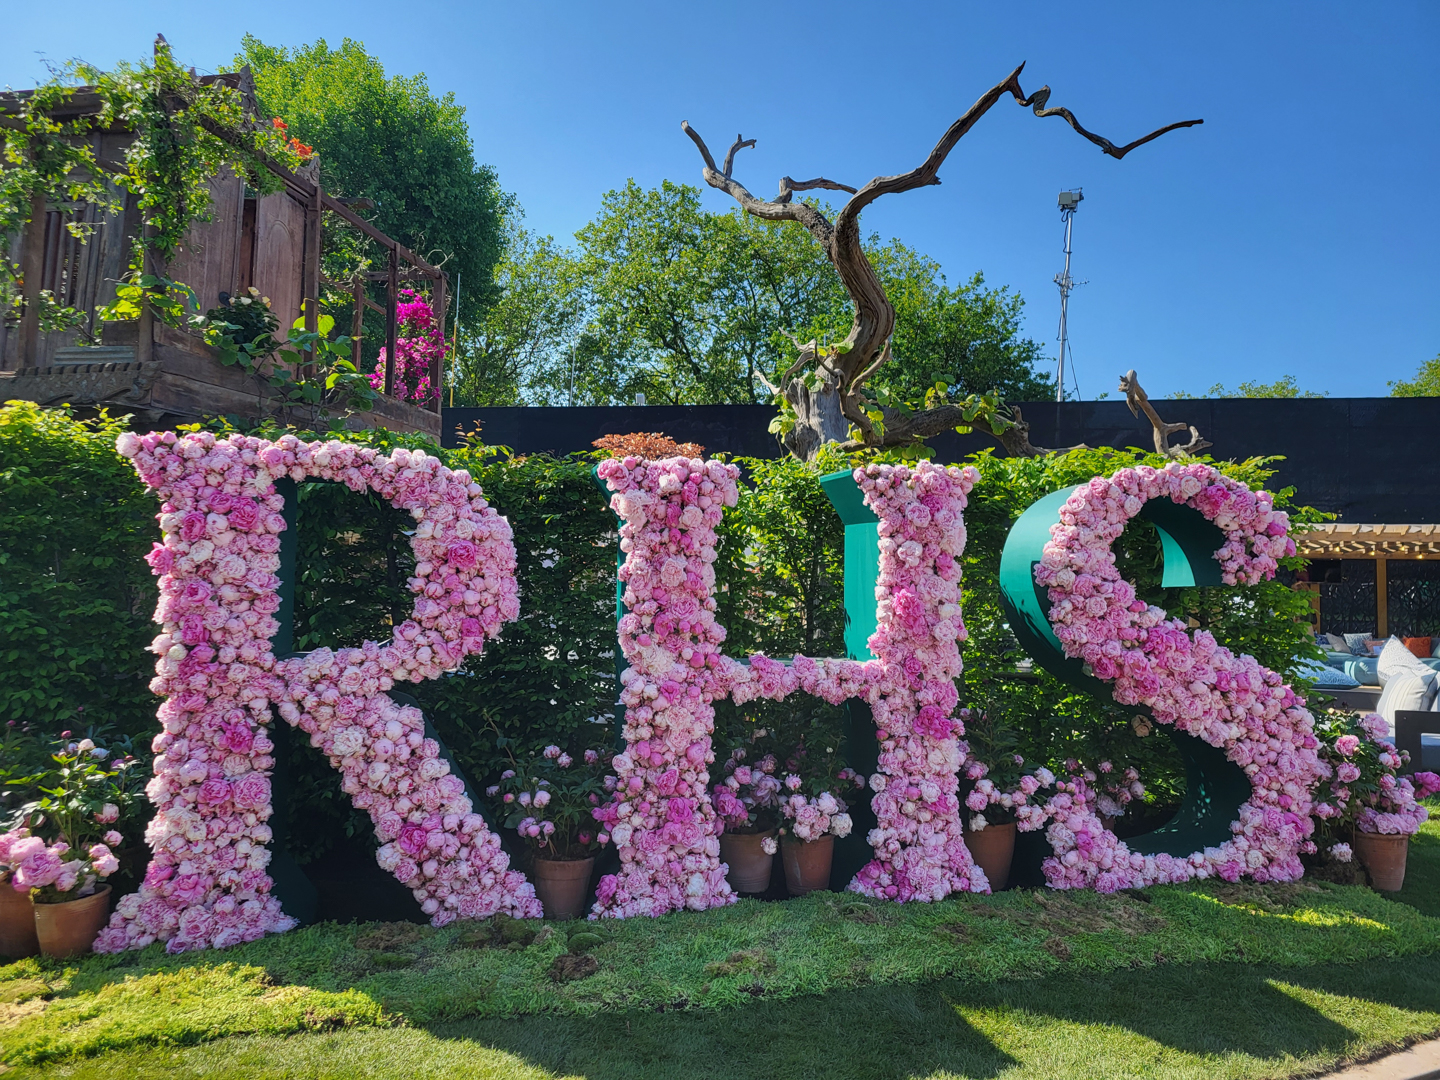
(1139, 402)
(1037, 101)
(740, 144)
(818, 224)
(788, 187)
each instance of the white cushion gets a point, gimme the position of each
(1407, 693)
(1396, 659)
(1337, 643)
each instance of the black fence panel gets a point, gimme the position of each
(1365, 459)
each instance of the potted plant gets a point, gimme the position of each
(748, 804)
(20, 757)
(549, 800)
(79, 797)
(17, 913)
(1367, 804)
(812, 797)
(1002, 799)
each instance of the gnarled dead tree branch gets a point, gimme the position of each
(1139, 402)
(831, 404)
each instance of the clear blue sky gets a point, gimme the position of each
(1293, 234)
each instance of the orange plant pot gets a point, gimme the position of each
(749, 866)
(1384, 855)
(563, 886)
(71, 927)
(807, 864)
(993, 849)
(17, 924)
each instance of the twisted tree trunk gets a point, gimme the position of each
(835, 408)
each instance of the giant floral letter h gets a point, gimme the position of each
(661, 819)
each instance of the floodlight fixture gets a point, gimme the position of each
(1070, 200)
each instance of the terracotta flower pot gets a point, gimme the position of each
(807, 864)
(749, 866)
(993, 849)
(71, 927)
(1384, 855)
(17, 924)
(563, 886)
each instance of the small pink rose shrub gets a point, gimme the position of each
(549, 799)
(419, 342)
(1364, 791)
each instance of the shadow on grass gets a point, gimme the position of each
(1422, 870)
(1205, 1012)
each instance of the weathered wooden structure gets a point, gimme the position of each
(165, 375)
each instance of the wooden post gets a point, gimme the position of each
(32, 266)
(311, 272)
(145, 329)
(357, 320)
(1382, 599)
(390, 301)
(437, 366)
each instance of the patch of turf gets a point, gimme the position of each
(1221, 1020)
(321, 978)
(1422, 869)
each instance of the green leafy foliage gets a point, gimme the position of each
(391, 140)
(1426, 382)
(688, 306)
(1283, 387)
(779, 577)
(76, 596)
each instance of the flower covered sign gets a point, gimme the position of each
(662, 821)
(221, 518)
(1246, 732)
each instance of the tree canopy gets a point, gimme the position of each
(1426, 382)
(1283, 387)
(687, 306)
(391, 140)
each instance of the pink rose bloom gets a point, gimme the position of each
(108, 813)
(251, 791)
(1346, 745)
(462, 553)
(214, 791)
(413, 839)
(244, 516)
(104, 862)
(113, 838)
(237, 738)
(192, 527)
(161, 559)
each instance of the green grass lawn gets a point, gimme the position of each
(1213, 980)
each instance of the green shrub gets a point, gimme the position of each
(76, 596)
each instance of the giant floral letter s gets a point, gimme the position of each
(206, 885)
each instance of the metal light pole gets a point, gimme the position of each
(1069, 201)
